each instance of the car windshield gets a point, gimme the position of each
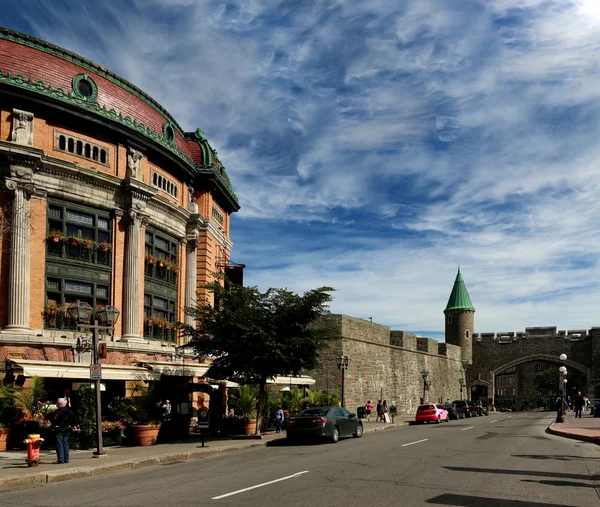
(426, 407)
(314, 412)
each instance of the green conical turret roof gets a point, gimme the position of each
(459, 298)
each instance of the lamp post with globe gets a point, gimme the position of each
(560, 410)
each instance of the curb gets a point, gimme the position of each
(35, 479)
(39, 478)
(574, 436)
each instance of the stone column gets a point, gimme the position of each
(20, 268)
(190, 279)
(132, 276)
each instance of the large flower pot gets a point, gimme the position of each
(250, 427)
(145, 434)
(4, 434)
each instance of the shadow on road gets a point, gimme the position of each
(569, 484)
(532, 473)
(557, 457)
(478, 501)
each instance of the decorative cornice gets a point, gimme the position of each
(51, 49)
(75, 99)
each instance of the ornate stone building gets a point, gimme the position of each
(104, 199)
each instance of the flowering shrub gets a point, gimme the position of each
(76, 429)
(38, 418)
(114, 426)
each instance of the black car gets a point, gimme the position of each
(324, 422)
(480, 408)
(474, 408)
(464, 406)
(454, 411)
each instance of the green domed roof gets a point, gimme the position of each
(459, 298)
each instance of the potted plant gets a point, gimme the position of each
(104, 246)
(161, 263)
(148, 419)
(55, 236)
(87, 243)
(245, 400)
(74, 240)
(149, 259)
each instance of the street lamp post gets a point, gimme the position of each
(82, 312)
(343, 363)
(425, 374)
(560, 413)
(462, 385)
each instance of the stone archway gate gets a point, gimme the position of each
(495, 352)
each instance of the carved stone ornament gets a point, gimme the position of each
(22, 127)
(132, 215)
(193, 205)
(134, 162)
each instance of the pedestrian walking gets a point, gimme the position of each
(368, 408)
(166, 410)
(578, 403)
(62, 424)
(384, 409)
(379, 411)
(279, 418)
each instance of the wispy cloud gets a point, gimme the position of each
(376, 145)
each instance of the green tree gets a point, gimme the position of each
(254, 336)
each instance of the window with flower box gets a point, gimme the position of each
(62, 292)
(78, 233)
(160, 318)
(161, 271)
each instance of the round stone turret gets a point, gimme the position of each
(460, 319)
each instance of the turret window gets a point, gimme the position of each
(466, 333)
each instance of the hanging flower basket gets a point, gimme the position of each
(161, 264)
(104, 247)
(150, 259)
(87, 244)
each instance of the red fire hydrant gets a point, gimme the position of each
(34, 442)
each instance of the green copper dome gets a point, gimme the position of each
(459, 298)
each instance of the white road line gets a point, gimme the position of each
(469, 428)
(259, 485)
(509, 416)
(417, 442)
(495, 420)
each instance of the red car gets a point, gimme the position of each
(432, 412)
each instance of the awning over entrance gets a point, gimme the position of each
(301, 380)
(175, 369)
(81, 371)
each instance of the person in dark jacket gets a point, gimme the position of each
(62, 422)
(578, 403)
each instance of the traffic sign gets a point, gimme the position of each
(95, 372)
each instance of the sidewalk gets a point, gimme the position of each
(586, 428)
(14, 472)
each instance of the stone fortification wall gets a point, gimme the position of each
(387, 365)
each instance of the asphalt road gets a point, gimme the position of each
(497, 461)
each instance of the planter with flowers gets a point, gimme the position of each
(245, 400)
(113, 432)
(104, 246)
(55, 236)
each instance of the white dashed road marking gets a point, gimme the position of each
(417, 442)
(259, 485)
(469, 428)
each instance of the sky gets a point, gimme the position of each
(374, 146)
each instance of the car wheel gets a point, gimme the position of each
(447, 418)
(335, 436)
(438, 420)
(359, 431)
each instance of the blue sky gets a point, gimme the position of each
(376, 145)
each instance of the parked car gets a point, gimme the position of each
(454, 411)
(431, 412)
(324, 422)
(464, 405)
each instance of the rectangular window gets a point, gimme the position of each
(78, 234)
(63, 292)
(217, 216)
(159, 318)
(161, 258)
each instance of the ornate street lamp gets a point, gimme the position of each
(82, 312)
(343, 362)
(560, 410)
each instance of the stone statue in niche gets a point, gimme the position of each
(193, 206)
(22, 127)
(134, 162)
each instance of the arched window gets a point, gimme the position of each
(103, 156)
(95, 153)
(62, 142)
(79, 148)
(71, 145)
(88, 150)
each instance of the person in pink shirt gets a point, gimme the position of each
(368, 408)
